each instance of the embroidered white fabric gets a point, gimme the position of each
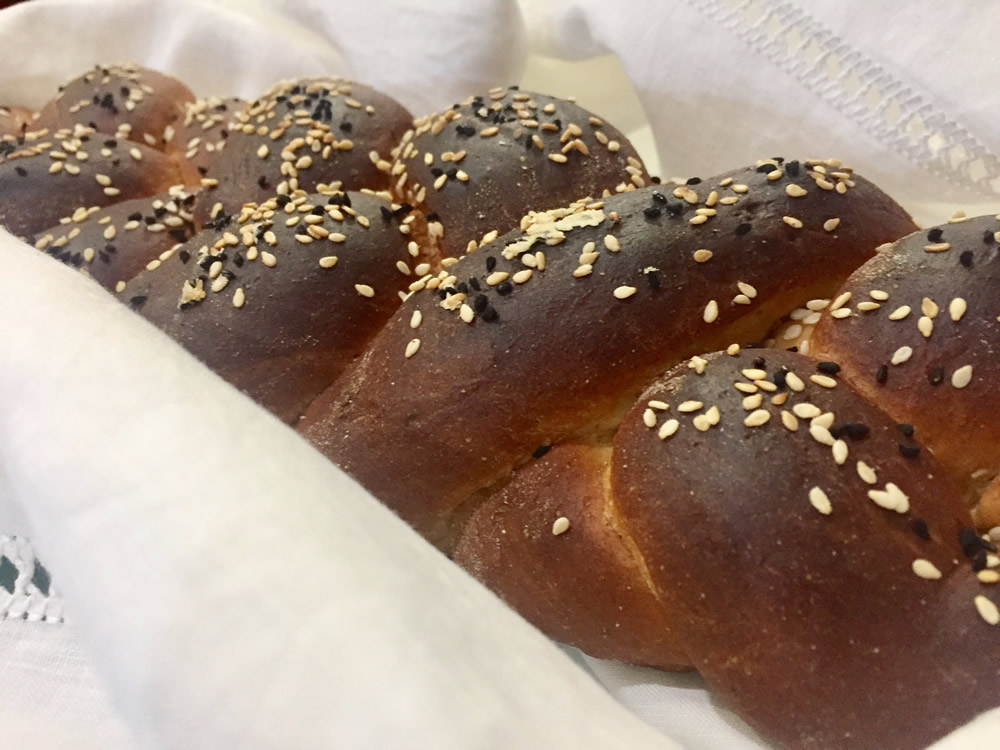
(178, 609)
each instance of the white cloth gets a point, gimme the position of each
(196, 539)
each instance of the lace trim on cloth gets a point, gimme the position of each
(893, 111)
(26, 590)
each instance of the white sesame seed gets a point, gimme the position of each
(522, 276)
(817, 305)
(733, 349)
(585, 270)
(988, 576)
(560, 526)
(792, 222)
(987, 610)
(929, 307)
(840, 452)
(821, 434)
(120, 287)
(868, 306)
(466, 313)
(926, 569)
(690, 406)
(794, 382)
(649, 418)
(789, 420)
(738, 188)
(747, 289)
(840, 301)
(824, 381)
(867, 473)
(900, 312)
(819, 500)
(268, 259)
(830, 224)
(901, 355)
(891, 498)
(937, 247)
(879, 295)
(753, 374)
(711, 313)
(487, 132)
(795, 191)
(698, 364)
(926, 326)
(611, 243)
(412, 347)
(701, 256)
(745, 387)
(364, 290)
(668, 428)
(962, 376)
(956, 309)
(792, 332)
(328, 261)
(624, 292)
(698, 219)
(658, 405)
(757, 418)
(753, 401)
(416, 319)
(239, 298)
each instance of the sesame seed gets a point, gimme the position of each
(830, 224)
(700, 219)
(900, 312)
(611, 243)
(840, 452)
(754, 374)
(690, 406)
(120, 287)
(701, 256)
(925, 325)
(668, 428)
(789, 420)
(585, 270)
(879, 295)
(988, 576)
(135, 154)
(711, 313)
(364, 290)
(794, 382)
(239, 298)
(956, 309)
(867, 473)
(740, 189)
(624, 292)
(987, 610)
(753, 401)
(928, 307)
(745, 387)
(901, 355)
(416, 319)
(497, 277)
(336, 237)
(868, 306)
(757, 418)
(466, 313)
(560, 526)
(937, 247)
(613, 146)
(522, 276)
(962, 376)
(795, 191)
(712, 416)
(412, 348)
(328, 261)
(153, 264)
(926, 569)
(728, 200)
(733, 349)
(110, 233)
(487, 132)
(819, 500)
(824, 381)
(747, 289)
(817, 305)
(268, 259)
(659, 405)
(649, 418)
(840, 301)
(891, 498)
(792, 222)
(698, 364)
(558, 158)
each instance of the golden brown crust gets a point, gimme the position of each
(115, 243)
(52, 175)
(14, 120)
(279, 300)
(505, 153)
(197, 138)
(564, 352)
(125, 101)
(304, 134)
(580, 583)
(821, 630)
(953, 296)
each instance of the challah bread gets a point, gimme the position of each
(505, 153)
(197, 138)
(113, 244)
(552, 330)
(279, 299)
(63, 173)
(14, 120)
(125, 101)
(304, 135)
(821, 579)
(918, 337)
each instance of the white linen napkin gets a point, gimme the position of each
(169, 591)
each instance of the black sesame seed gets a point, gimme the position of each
(852, 430)
(780, 377)
(759, 363)
(659, 197)
(432, 216)
(828, 368)
(491, 263)
(489, 314)
(480, 302)
(652, 212)
(138, 301)
(462, 288)
(743, 228)
(987, 237)
(137, 216)
(694, 181)
(936, 376)
(675, 208)
(262, 182)
(184, 255)
(935, 234)
(452, 173)
(792, 168)
(282, 200)
(909, 450)
(653, 279)
(979, 561)
(21, 171)
(882, 374)
(965, 258)
(386, 212)
(920, 528)
(317, 211)
(180, 235)
(437, 171)
(203, 171)
(465, 130)
(540, 451)
(906, 429)
(474, 283)
(767, 168)
(504, 288)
